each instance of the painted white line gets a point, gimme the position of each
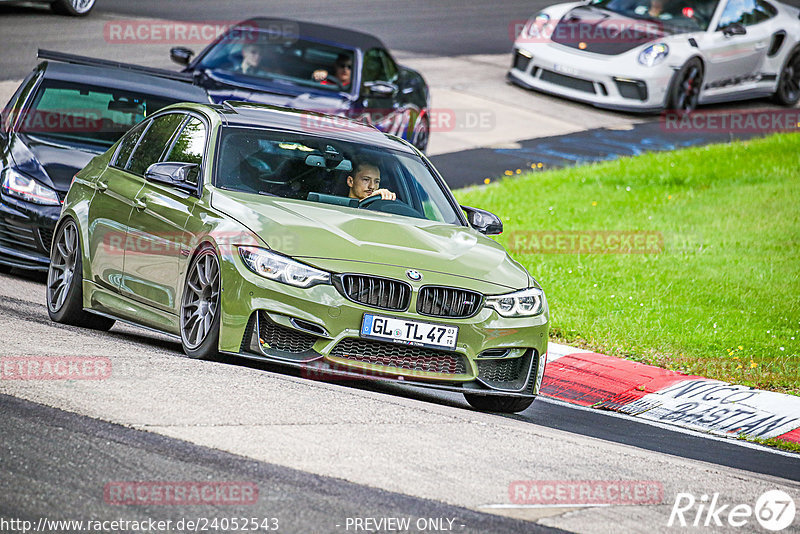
(557, 350)
(665, 426)
(514, 506)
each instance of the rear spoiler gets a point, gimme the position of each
(95, 62)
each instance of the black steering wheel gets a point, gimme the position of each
(365, 202)
(396, 207)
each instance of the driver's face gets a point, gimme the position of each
(251, 56)
(344, 72)
(365, 182)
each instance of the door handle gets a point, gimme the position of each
(101, 186)
(140, 203)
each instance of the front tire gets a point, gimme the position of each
(200, 306)
(788, 91)
(492, 403)
(73, 8)
(65, 282)
(684, 91)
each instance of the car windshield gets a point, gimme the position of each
(84, 113)
(681, 15)
(315, 169)
(261, 56)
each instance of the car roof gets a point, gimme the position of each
(247, 114)
(115, 78)
(315, 31)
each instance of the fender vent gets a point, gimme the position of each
(777, 42)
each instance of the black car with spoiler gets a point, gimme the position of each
(61, 116)
(313, 67)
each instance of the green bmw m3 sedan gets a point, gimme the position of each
(302, 239)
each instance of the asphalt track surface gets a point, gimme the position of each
(53, 462)
(57, 464)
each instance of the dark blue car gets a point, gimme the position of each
(304, 66)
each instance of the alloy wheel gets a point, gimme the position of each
(200, 299)
(63, 258)
(689, 89)
(82, 6)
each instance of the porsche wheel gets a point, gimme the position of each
(74, 8)
(684, 92)
(788, 90)
(491, 403)
(65, 282)
(200, 307)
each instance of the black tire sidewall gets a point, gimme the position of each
(779, 97)
(676, 79)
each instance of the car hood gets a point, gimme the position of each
(49, 161)
(327, 236)
(605, 32)
(221, 87)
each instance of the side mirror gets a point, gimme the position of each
(180, 175)
(381, 89)
(483, 221)
(180, 55)
(734, 29)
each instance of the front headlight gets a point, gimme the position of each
(20, 186)
(653, 54)
(524, 303)
(282, 269)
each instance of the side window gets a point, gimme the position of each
(190, 144)
(746, 12)
(154, 142)
(374, 68)
(390, 67)
(127, 145)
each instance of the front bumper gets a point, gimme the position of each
(26, 232)
(611, 82)
(318, 330)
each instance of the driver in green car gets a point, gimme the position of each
(366, 180)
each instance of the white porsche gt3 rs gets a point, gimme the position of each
(652, 55)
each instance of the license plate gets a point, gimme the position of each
(416, 333)
(565, 69)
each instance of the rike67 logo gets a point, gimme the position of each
(774, 511)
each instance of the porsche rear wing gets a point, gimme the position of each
(62, 57)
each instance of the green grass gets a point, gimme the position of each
(721, 300)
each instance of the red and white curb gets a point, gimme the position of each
(655, 394)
